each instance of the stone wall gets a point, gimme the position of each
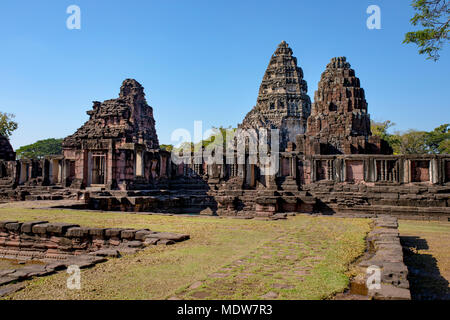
(385, 254)
(49, 241)
(49, 247)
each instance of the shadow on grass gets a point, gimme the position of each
(425, 279)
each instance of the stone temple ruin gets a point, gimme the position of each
(108, 150)
(328, 161)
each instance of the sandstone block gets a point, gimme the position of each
(13, 226)
(77, 232)
(4, 223)
(59, 228)
(27, 227)
(97, 232)
(40, 228)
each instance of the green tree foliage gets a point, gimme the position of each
(220, 135)
(413, 141)
(7, 124)
(433, 16)
(438, 140)
(166, 147)
(380, 129)
(40, 149)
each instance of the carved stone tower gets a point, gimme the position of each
(283, 102)
(339, 122)
(117, 146)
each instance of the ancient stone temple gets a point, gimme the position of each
(283, 102)
(328, 161)
(118, 146)
(339, 122)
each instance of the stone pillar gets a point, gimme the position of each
(241, 171)
(23, 172)
(139, 170)
(366, 170)
(434, 171)
(89, 169)
(294, 167)
(163, 166)
(372, 175)
(400, 170)
(109, 168)
(407, 171)
(64, 173)
(344, 170)
(330, 169)
(30, 171)
(60, 171)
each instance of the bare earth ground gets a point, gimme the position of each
(427, 256)
(304, 257)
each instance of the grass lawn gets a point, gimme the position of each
(427, 257)
(303, 257)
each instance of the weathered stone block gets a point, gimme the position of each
(113, 232)
(4, 223)
(27, 227)
(128, 234)
(77, 232)
(142, 234)
(40, 228)
(168, 236)
(98, 233)
(59, 228)
(13, 226)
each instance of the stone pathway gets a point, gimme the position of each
(273, 271)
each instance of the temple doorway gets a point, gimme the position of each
(98, 168)
(70, 172)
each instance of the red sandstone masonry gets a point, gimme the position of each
(385, 252)
(42, 240)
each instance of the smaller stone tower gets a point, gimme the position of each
(339, 122)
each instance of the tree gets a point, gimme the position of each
(40, 149)
(220, 135)
(412, 142)
(7, 125)
(380, 129)
(433, 15)
(166, 147)
(438, 140)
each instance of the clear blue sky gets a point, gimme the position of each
(204, 60)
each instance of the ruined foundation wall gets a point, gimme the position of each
(384, 259)
(42, 240)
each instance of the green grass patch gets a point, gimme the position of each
(304, 258)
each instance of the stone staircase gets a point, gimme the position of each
(411, 202)
(36, 193)
(181, 196)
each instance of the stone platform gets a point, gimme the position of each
(59, 245)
